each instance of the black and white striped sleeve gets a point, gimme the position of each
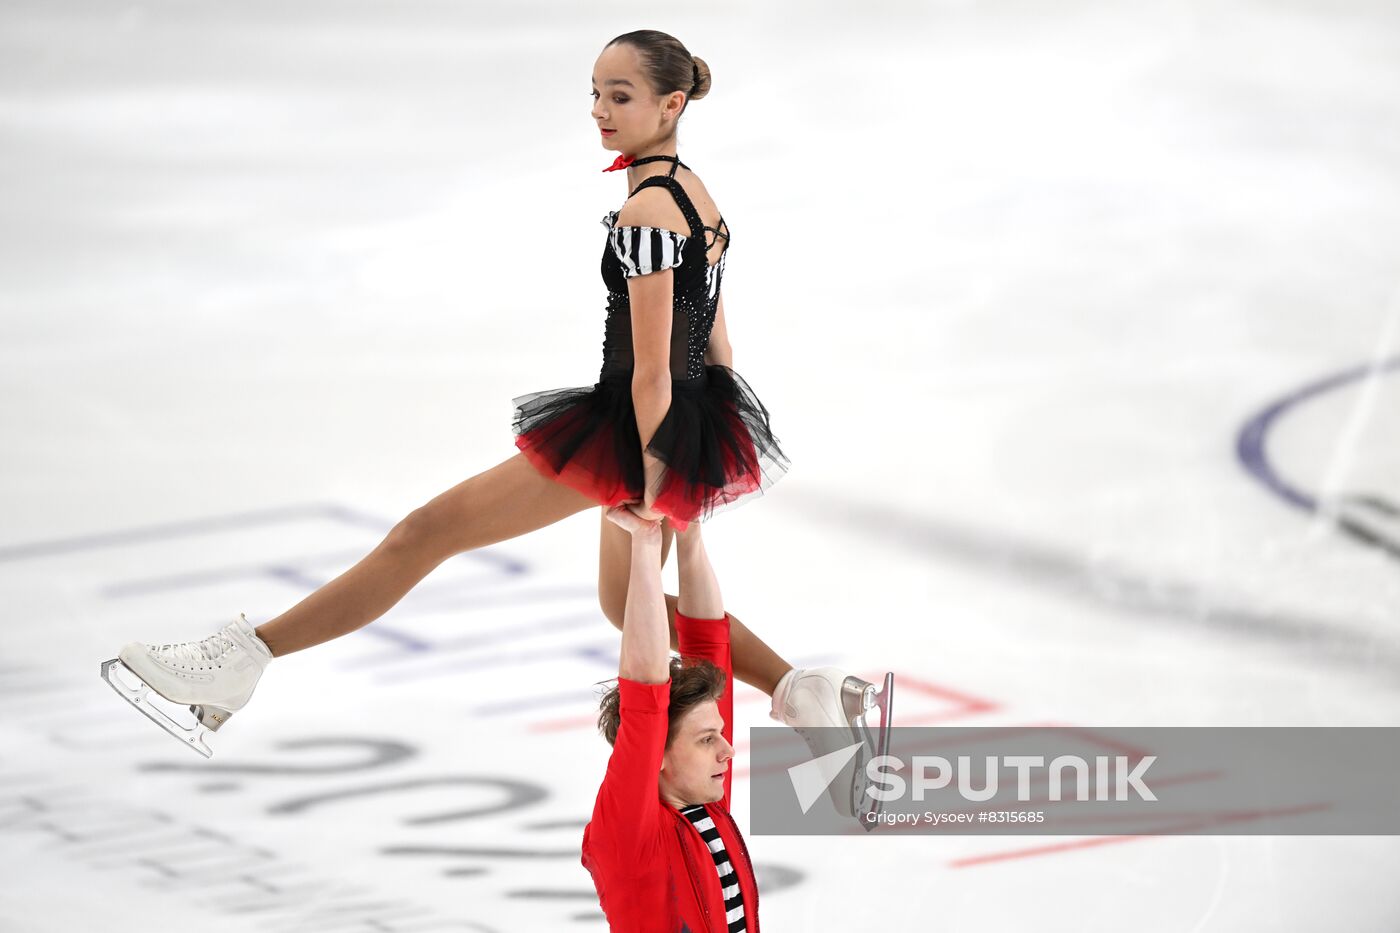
(646, 249)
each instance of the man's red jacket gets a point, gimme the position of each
(653, 872)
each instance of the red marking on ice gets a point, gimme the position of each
(962, 704)
(559, 725)
(1058, 847)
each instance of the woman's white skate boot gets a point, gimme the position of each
(214, 677)
(829, 708)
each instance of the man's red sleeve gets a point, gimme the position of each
(628, 806)
(709, 639)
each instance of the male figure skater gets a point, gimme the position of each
(664, 852)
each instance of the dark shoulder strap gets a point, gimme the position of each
(692, 216)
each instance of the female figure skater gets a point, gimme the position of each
(665, 377)
(663, 850)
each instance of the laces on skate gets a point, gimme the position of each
(200, 652)
(191, 688)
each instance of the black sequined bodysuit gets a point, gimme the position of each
(715, 438)
(636, 250)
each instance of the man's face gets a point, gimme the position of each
(693, 768)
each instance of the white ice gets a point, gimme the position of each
(1012, 278)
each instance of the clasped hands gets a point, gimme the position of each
(640, 509)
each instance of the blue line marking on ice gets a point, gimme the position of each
(1250, 442)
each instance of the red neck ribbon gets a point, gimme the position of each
(621, 161)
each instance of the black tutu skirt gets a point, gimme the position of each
(715, 441)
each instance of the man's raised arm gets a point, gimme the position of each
(646, 634)
(629, 799)
(702, 625)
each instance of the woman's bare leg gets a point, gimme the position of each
(508, 500)
(754, 662)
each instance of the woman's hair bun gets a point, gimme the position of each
(702, 78)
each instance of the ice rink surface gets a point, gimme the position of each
(1079, 322)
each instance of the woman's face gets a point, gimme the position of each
(624, 103)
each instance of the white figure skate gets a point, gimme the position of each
(816, 702)
(214, 677)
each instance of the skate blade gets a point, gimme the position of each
(138, 693)
(860, 697)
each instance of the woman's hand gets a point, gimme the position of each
(624, 517)
(641, 510)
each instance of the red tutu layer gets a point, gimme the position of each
(715, 441)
